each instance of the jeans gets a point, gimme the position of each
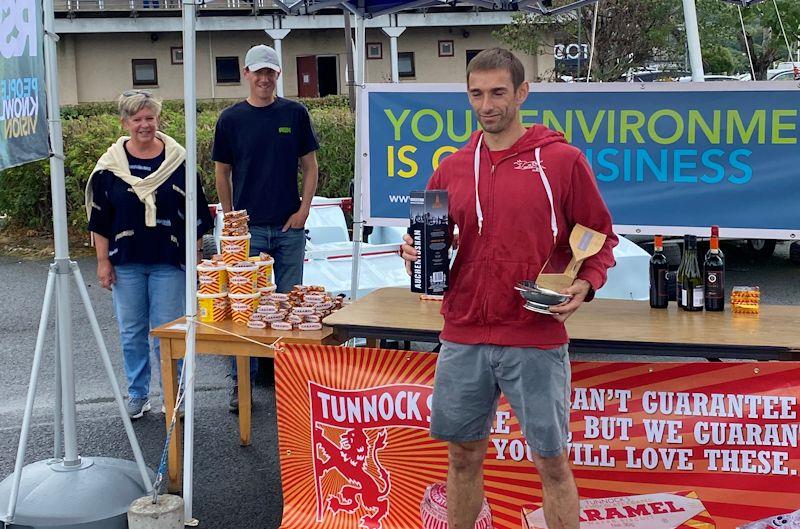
(145, 296)
(288, 249)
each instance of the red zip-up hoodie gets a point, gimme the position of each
(481, 305)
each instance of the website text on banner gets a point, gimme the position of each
(662, 159)
(23, 121)
(708, 445)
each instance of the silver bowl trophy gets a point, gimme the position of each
(544, 292)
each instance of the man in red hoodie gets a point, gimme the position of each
(515, 195)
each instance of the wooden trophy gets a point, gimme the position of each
(584, 243)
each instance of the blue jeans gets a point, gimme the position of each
(288, 249)
(145, 296)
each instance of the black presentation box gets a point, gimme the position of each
(431, 233)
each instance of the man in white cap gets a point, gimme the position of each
(258, 145)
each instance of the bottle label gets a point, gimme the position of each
(715, 284)
(697, 297)
(683, 296)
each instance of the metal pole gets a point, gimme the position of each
(56, 141)
(279, 51)
(394, 32)
(26, 417)
(58, 424)
(277, 35)
(395, 66)
(348, 46)
(358, 222)
(580, 26)
(190, 105)
(71, 457)
(57, 188)
(106, 358)
(693, 41)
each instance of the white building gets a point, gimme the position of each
(108, 46)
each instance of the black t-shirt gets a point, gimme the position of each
(118, 215)
(263, 145)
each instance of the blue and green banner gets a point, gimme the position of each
(671, 158)
(23, 119)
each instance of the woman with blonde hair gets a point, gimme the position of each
(135, 204)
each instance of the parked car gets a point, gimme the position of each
(758, 249)
(786, 75)
(782, 67)
(713, 77)
(648, 75)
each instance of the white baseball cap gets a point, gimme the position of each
(262, 56)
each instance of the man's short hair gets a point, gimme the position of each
(498, 59)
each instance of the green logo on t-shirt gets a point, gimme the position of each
(285, 130)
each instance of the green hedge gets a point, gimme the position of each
(89, 129)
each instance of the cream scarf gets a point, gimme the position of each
(116, 161)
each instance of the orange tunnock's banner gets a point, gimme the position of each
(653, 445)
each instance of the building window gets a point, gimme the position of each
(405, 64)
(446, 48)
(374, 50)
(471, 54)
(176, 55)
(228, 70)
(145, 72)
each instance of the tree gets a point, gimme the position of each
(629, 34)
(720, 27)
(638, 33)
(720, 44)
(764, 35)
(720, 59)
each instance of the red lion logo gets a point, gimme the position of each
(350, 458)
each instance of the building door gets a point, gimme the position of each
(307, 84)
(328, 75)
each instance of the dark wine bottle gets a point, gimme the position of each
(692, 279)
(714, 274)
(680, 295)
(659, 297)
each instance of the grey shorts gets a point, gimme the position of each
(468, 382)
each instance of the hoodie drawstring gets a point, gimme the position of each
(478, 210)
(545, 183)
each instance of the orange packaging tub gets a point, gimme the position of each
(235, 248)
(212, 278)
(242, 278)
(264, 263)
(212, 307)
(243, 306)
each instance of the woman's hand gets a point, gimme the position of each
(105, 273)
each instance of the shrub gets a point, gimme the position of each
(25, 195)
(335, 129)
(91, 128)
